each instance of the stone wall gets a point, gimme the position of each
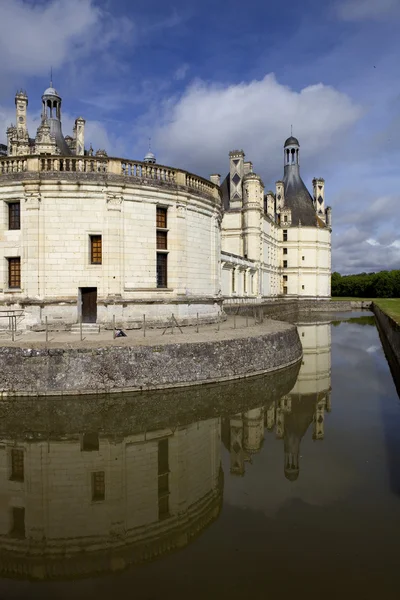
(389, 332)
(115, 369)
(290, 309)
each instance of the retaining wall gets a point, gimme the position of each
(60, 371)
(290, 309)
(389, 332)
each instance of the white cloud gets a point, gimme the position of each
(198, 129)
(372, 242)
(35, 36)
(359, 10)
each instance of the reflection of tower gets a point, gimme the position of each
(243, 436)
(75, 504)
(310, 397)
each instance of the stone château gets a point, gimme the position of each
(85, 235)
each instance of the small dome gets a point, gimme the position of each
(150, 158)
(292, 141)
(51, 92)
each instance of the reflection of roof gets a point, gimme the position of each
(299, 200)
(292, 141)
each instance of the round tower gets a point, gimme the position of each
(51, 112)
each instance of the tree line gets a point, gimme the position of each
(385, 284)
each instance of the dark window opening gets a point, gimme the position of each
(162, 270)
(14, 272)
(14, 215)
(17, 464)
(98, 486)
(90, 442)
(161, 217)
(285, 264)
(285, 251)
(18, 522)
(95, 250)
(285, 235)
(161, 240)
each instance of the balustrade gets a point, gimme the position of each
(114, 166)
(13, 165)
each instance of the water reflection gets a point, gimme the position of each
(94, 485)
(290, 416)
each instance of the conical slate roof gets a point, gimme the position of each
(299, 200)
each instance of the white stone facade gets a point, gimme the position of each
(80, 235)
(283, 240)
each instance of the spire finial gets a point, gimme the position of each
(51, 76)
(149, 144)
(291, 130)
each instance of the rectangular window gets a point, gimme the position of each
(161, 217)
(302, 287)
(98, 486)
(285, 251)
(14, 272)
(161, 240)
(90, 442)
(18, 522)
(161, 244)
(302, 258)
(285, 289)
(233, 281)
(14, 215)
(285, 219)
(17, 464)
(285, 235)
(95, 250)
(162, 270)
(285, 278)
(285, 264)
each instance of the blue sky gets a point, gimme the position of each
(202, 78)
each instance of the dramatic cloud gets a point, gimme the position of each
(199, 128)
(367, 239)
(35, 36)
(360, 10)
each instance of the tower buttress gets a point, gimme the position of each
(319, 197)
(280, 196)
(236, 172)
(79, 133)
(21, 105)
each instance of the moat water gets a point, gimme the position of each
(286, 485)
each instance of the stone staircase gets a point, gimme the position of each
(87, 328)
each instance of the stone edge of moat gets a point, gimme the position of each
(117, 369)
(389, 332)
